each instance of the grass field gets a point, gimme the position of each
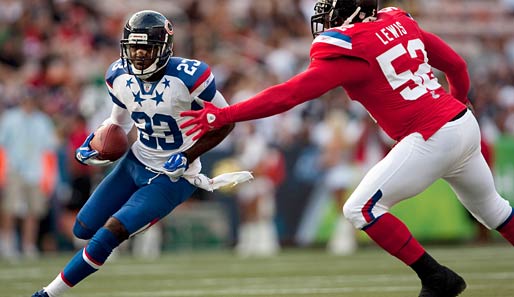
(489, 272)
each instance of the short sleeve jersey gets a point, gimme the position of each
(155, 106)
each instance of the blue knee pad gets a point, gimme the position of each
(81, 232)
(101, 245)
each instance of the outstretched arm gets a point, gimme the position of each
(320, 77)
(208, 141)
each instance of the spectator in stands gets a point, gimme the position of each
(257, 235)
(28, 138)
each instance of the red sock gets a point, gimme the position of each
(507, 229)
(394, 237)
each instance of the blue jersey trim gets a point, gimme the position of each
(179, 68)
(338, 35)
(142, 87)
(195, 106)
(209, 92)
(117, 101)
(507, 220)
(115, 69)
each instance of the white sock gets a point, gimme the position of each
(147, 245)
(243, 245)
(343, 240)
(57, 287)
(267, 239)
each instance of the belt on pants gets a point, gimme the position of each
(459, 115)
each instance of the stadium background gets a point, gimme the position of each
(57, 51)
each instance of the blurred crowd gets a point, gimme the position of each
(57, 51)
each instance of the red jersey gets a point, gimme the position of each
(386, 65)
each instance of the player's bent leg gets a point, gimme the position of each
(394, 237)
(474, 185)
(90, 258)
(153, 202)
(81, 231)
(107, 198)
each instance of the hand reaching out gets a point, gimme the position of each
(209, 118)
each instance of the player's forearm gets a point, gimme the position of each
(207, 142)
(120, 117)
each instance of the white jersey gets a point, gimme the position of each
(155, 107)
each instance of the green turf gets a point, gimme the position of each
(489, 272)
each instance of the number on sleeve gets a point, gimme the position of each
(117, 66)
(189, 66)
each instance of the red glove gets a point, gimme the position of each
(209, 118)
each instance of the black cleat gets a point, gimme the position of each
(443, 283)
(41, 293)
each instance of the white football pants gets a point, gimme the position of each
(452, 153)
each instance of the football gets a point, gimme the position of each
(110, 141)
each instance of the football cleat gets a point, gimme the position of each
(443, 283)
(41, 293)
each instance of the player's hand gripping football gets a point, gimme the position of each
(209, 118)
(87, 156)
(176, 165)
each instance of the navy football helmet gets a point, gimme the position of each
(147, 43)
(334, 13)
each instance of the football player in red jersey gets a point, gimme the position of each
(384, 60)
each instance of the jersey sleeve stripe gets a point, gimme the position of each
(202, 83)
(89, 260)
(117, 101)
(208, 93)
(334, 38)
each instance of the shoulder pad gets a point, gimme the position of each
(114, 70)
(191, 72)
(332, 43)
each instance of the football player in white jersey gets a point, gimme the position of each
(149, 88)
